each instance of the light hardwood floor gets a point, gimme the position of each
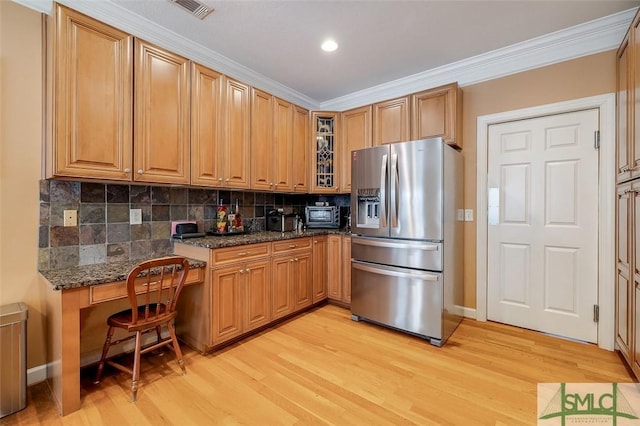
(323, 368)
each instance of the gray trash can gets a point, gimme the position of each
(13, 358)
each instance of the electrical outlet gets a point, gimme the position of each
(135, 216)
(70, 217)
(468, 215)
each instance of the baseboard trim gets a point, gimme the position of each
(468, 312)
(36, 374)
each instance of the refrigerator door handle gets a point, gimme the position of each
(383, 192)
(377, 270)
(394, 190)
(393, 244)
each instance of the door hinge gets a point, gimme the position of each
(596, 313)
(596, 139)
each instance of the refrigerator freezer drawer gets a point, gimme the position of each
(407, 300)
(403, 253)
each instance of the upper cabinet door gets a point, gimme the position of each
(622, 114)
(634, 90)
(161, 119)
(237, 112)
(300, 150)
(261, 140)
(93, 98)
(438, 112)
(206, 126)
(391, 121)
(282, 145)
(324, 143)
(356, 134)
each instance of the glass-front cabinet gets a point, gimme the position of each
(325, 152)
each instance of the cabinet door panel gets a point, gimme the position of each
(257, 307)
(282, 288)
(226, 304)
(633, 135)
(334, 267)
(622, 113)
(162, 145)
(437, 112)
(206, 128)
(300, 150)
(262, 155)
(324, 153)
(282, 146)
(237, 134)
(356, 134)
(623, 225)
(94, 98)
(319, 268)
(391, 121)
(346, 269)
(303, 280)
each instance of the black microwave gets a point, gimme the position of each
(322, 216)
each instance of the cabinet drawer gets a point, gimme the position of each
(291, 245)
(118, 290)
(223, 256)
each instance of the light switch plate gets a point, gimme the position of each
(135, 216)
(70, 218)
(460, 215)
(468, 215)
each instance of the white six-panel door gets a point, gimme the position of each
(542, 269)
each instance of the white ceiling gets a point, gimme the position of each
(386, 47)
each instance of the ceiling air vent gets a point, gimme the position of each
(194, 7)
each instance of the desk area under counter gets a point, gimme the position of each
(255, 280)
(69, 292)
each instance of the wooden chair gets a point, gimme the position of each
(153, 288)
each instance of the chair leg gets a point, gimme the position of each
(136, 367)
(158, 333)
(176, 347)
(105, 350)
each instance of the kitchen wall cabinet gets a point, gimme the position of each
(206, 126)
(236, 141)
(438, 112)
(320, 251)
(356, 134)
(325, 148)
(262, 153)
(283, 146)
(627, 311)
(391, 121)
(93, 96)
(300, 150)
(161, 116)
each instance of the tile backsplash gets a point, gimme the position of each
(104, 234)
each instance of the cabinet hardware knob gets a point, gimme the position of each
(292, 246)
(296, 259)
(219, 179)
(270, 183)
(243, 253)
(315, 242)
(140, 171)
(291, 260)
(247, 270)
(227, 179)
(242, 271)
(127, 170)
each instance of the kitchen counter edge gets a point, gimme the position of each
(214, 242)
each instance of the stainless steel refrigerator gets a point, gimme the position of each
(406, 245)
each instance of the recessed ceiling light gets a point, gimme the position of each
(329, 46)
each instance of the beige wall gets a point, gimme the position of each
(20, 160)
(579, 78)
(20, 148)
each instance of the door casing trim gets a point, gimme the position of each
(606, 202)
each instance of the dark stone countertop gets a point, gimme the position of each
(100, 273)
(218, 241)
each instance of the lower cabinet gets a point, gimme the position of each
(339, 268)
(319, 268)
(252, 285)
(627, 296)
(239, 299)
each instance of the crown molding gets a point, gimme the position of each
(585, 39)
(581, 40)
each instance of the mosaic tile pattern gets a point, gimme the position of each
(104, 235)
